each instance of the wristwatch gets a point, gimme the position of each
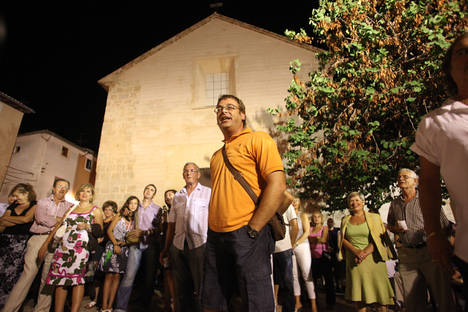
(251, 232)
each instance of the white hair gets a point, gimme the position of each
(412, 173)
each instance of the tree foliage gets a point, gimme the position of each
(350, 125)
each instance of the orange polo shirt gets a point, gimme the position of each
(255, 155)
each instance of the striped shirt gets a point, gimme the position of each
(47, 211)
(411, 213)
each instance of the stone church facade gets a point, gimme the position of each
(159, 112)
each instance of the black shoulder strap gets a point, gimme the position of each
(238, 176)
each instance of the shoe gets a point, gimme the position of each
(90, 305)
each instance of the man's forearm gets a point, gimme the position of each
(287, 200)
(271, 199)
(430, 197)
(293, 230)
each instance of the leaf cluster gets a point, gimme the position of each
(350, 125)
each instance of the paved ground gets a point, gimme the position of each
(341, 305)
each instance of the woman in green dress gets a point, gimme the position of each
(367, 281)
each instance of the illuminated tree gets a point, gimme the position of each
(350, 125)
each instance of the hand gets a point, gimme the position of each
(439, 247)
(360, 256)
(399, 229)
(162, 255)
(100, 239)
(82, 226)
(42, 253)
(117, 249)
(135, 233)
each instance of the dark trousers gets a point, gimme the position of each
(323, 267)
(283, 277)
(237, 274)
(462, 267)
(187, 270)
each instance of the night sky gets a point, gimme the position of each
(53, 53)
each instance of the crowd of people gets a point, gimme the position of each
(216, 249)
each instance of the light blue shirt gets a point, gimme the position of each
(145, 219)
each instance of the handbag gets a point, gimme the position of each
(132, 239)
(388, 244)
(277, 225)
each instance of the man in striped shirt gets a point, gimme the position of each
(417, 270)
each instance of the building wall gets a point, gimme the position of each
(40, 161)
(157, 117)
(83, 175)
(10, 120)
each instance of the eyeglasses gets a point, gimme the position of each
(190, 170)
(229, 108)
(405, 176)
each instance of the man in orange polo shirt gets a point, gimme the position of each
(239, 246)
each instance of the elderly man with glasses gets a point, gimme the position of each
(417, 270)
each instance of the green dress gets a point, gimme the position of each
(366, 282)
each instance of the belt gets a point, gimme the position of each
(46, 233)
(417, 246)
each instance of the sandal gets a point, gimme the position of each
(90, 305)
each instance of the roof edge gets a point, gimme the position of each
(106, 81)
(5, 98)
(46, 131)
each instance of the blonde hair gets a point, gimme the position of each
(82, 188)
(354, 194)
(317, 212)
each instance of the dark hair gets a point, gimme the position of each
(235, 98)
(167, 191)
(446, 65)
(127, 202)
(13, 189)
(60, 180)
(25, 188)
(110, 203)
(155, 188)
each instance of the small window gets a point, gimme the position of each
(17, 149)
(64, 151)
(216, 85)
(88, 164)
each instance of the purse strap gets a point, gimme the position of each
(68, 212)
(238, 176)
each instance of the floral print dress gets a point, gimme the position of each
(69, 262)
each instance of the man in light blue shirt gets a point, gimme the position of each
(187, 232)
(147, 248)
